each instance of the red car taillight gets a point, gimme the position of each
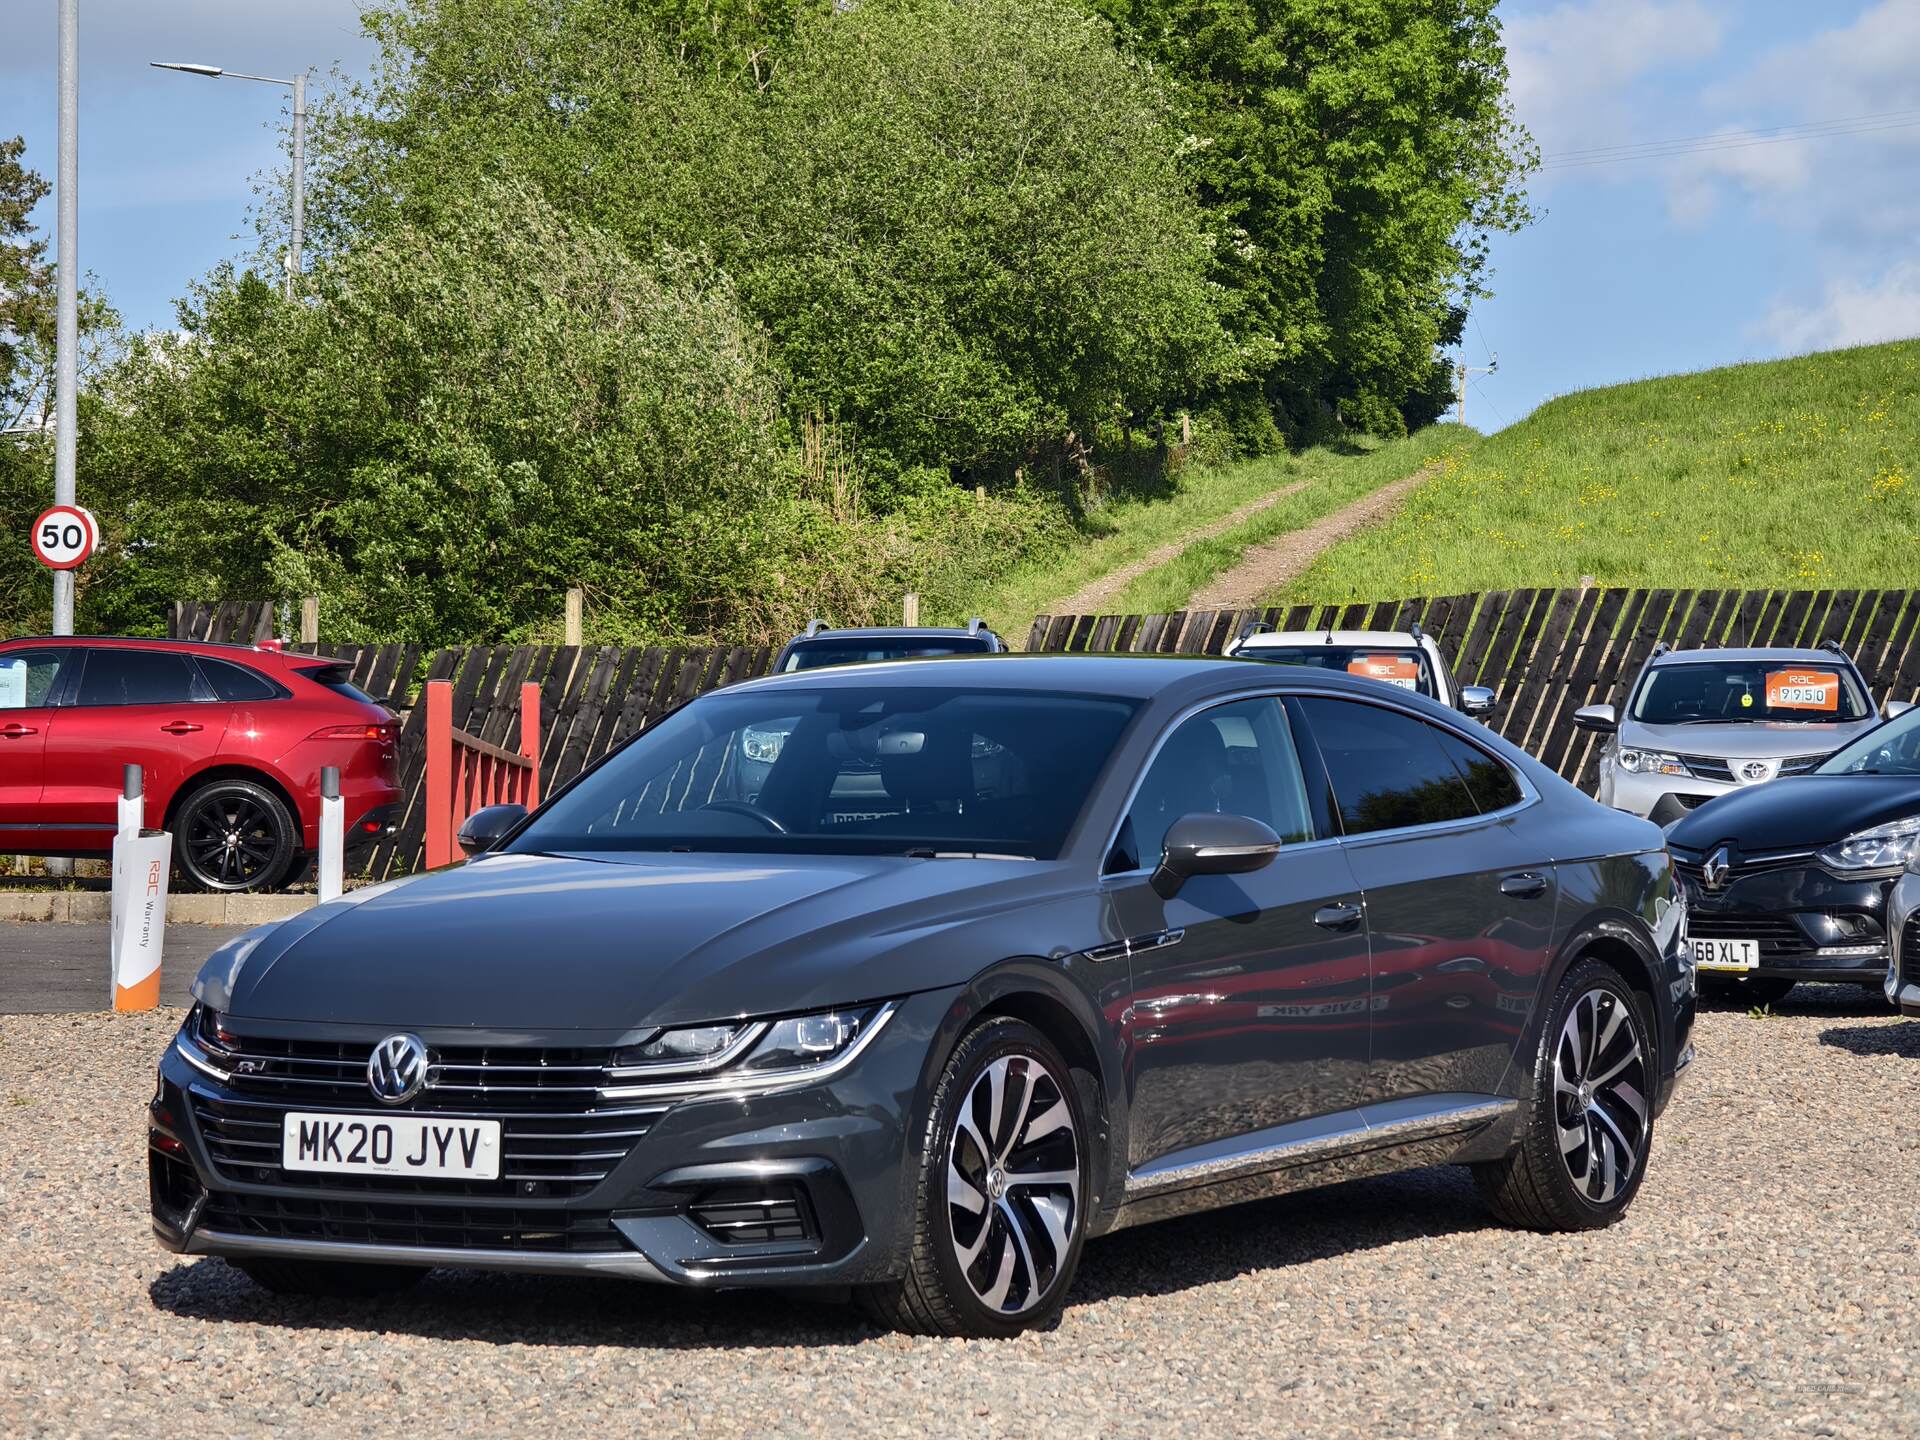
(385, 734)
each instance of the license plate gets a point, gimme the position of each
(391, 1145)
(1726, 954)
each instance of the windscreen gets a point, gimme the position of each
(1403, 666)
(1719, 692)
(869, 770)
(1893, 749)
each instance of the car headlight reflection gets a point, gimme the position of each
(1884, 847)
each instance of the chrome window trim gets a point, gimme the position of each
(1529, 793)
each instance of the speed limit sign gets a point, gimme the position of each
(64, 537)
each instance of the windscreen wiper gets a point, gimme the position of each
(928, 853)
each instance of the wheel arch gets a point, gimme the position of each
(252, 775)
(1039, 993)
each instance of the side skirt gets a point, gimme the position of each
(1347, 1145)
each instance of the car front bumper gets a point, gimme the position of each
(1659, 798)
(830, 1162)
(1795, 914)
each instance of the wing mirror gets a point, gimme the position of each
(1598, 718)
(1477, 700)
(488, 826)
(1895, 708)
(1207, 844)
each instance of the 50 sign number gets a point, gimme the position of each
(64, 537)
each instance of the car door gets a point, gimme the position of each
(1460, 903)
(149, 708)
(1247, 1007)
(31, 682)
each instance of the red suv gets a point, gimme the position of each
(231, 740)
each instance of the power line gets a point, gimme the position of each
(1498, 414)
(1731, 140)
(1560, 155)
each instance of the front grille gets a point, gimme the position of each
(1777, 935)
(1909, 957)
(1685, 862)
(556, 1140)
(448, 1227)
(1714, 767)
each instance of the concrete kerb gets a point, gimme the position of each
(95, 907)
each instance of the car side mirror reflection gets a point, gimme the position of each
(1895, 708)
(1477, 700)
(1211, 844)
(1598, 718)
(488, 826)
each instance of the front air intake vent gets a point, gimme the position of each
(754, 1214)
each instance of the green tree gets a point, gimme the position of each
(1355, 156)
(960, 222)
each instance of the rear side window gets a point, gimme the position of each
(335, 678)
(1388, 769)
(28, 678)
(237, 682)
(1492, 781)
(140, 677)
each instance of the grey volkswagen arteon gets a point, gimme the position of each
(978, 959)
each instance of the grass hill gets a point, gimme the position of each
(1801, 473)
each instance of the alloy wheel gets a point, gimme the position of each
(1600, 1094)
(230, 840)
(1013, 1184)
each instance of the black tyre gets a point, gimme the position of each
(328, 1278)
(1583, 1150)
(999, 1199)
(234, 835)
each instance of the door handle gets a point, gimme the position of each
(17, 731)
(1525, 885)
(1343, 915)
(180, 727)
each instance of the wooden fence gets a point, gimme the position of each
(1548, 652)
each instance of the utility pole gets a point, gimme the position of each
(66, 334)
(298, 84)
(1460, 374)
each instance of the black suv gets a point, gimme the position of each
(821, 646)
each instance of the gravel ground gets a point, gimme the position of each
(1767, 1282)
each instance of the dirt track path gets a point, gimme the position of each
(1095, 597)
(1267, 567)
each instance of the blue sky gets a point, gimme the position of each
(1673, 263)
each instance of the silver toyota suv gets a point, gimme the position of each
(1700, 723)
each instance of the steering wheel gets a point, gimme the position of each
(749, 809)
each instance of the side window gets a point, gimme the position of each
(29, 677)
(237, 682)
(1387, 768)
(140, 677)
(1235, 759)
(1492, 781)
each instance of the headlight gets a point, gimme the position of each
(745, 1055)
(1881, 848)
(1651, 762)
(762, 746)
(205, 1043)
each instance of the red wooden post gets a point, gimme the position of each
(440, 798)
(530, 740)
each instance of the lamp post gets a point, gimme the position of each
(66, 325)
(299, 86)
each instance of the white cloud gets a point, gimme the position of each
(1857, 185)
(1572, 68)
(1852, 312)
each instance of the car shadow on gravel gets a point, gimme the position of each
(1157, 1259)
(1802, 1000)
(522, 1310)
(1275, 1234)
(1901, 1040)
